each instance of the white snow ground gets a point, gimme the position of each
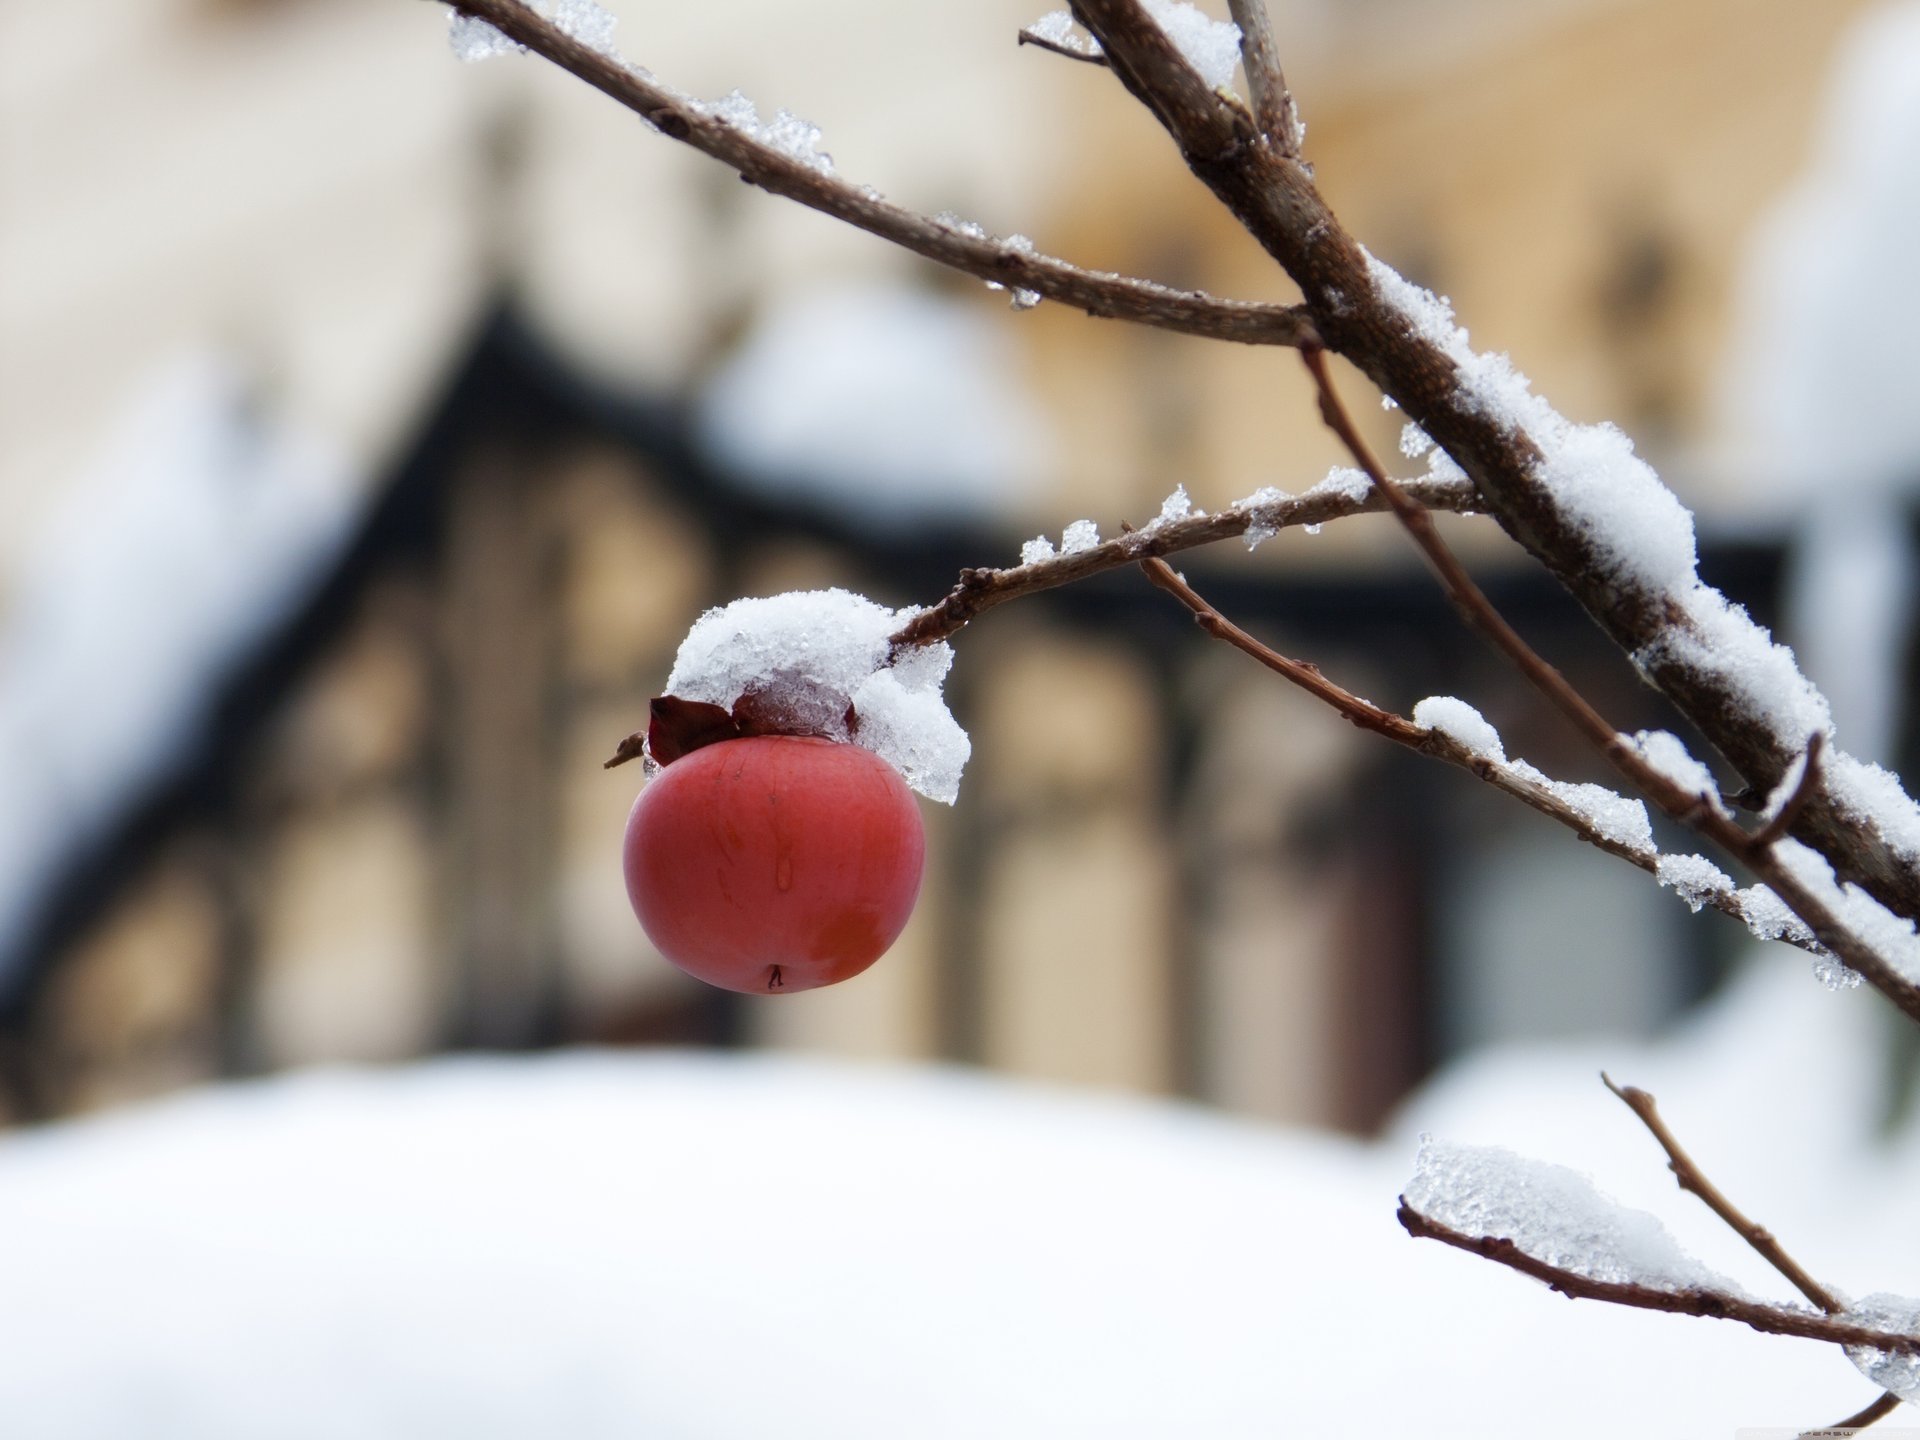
(678, 1245)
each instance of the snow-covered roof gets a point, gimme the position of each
(196, 531)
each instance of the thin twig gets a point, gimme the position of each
(1055, 47)
(1877, 1411)
(980, 590)
(682, 118)
(1362, 713)
(1467, 596)
(1436, 744)
(1711, 1304)
(1694, 1181)
(1273, 106)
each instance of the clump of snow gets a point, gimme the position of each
(792, 136)
(1668, 754)
(1460, 721)
(1609, 814)
(1259, 529)
(1177, 506)
(1719, 639)
(1057, 27)
(1694, 878)
(1414, 442)
(474, 40)
(816, 652)
(1887, 934)
(1612, 816)
(1868, 794)
(1211, 46)
(1442, 466)
(1769, 918)
(1636, 525)
(890, 405)
(1080, 535)
(1346, 482)
(1891, 1370)
(1035, 550)
(583, 20)
(1553, 1214)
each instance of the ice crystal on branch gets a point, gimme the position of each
(1553, 1214)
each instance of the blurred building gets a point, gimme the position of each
(448, 340)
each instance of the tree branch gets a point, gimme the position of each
(1770, 1319)
(1274, 197)
(1273, 106)
(1694, 1181)
(1436, 744)
(680, 117)
(977, 591)
(1701, 812)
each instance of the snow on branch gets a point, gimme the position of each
(760, 153)
(1553, 1224)
(1083, 554)
(1555, 487)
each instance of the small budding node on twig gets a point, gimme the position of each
(1800, 782)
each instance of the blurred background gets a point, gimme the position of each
(373, 426)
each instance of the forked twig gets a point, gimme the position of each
(1273, 104)
(1692, 1179)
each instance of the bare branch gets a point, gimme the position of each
(1711, 1304)
(1877, 1411)
(977, 591)
(1055, 47)
(1273, 106)
(1363, 713)
(1189, 312)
